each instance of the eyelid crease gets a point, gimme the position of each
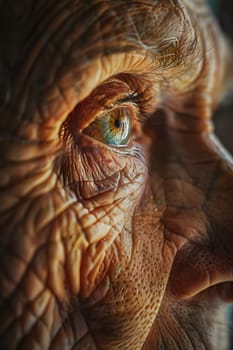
(144, 100)
(132, 97)
(138, 100)
(119, 105)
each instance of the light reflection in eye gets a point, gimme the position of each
(114, 128)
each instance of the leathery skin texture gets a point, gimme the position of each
(107, 246)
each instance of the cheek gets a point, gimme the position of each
(138, 264)
(124, 271)
(104, 175)
(108, 187)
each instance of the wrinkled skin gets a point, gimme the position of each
(113, 247)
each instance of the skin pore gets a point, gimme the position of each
(115, 194)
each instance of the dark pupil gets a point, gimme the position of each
(117, 123)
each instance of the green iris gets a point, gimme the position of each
(114, 128)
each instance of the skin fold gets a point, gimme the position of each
(105, 246)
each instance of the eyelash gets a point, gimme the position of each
(139, 99)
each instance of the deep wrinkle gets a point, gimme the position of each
(113, 246)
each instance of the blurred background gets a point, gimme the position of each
(223, 118)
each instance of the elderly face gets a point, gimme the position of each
(115, 195)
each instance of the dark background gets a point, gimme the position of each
(224, 115)
(223, 119)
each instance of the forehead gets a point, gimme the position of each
(113, 25)
(81, 31)
(42, 42)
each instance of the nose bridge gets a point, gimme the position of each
(206, 259)
(220, 189)
(190, 153)
(192, 180)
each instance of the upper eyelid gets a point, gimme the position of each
(132, 97)
(117, 105)
(133, 100)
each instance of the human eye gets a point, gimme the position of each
(113, 128)
(112, 116)
(104, 139)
